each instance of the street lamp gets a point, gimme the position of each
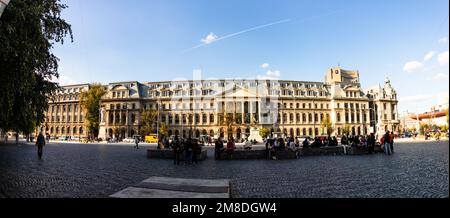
(3, 4)
(374, 113)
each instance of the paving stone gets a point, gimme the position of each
(415, 170)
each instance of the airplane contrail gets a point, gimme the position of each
(238, 33)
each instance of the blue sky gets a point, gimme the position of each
(151, 40)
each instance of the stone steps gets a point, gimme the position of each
(167, 187)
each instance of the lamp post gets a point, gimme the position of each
(374, 113)
(3, 4)
(314, 118)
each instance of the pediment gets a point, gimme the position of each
(238, 92)
(351, 88)
(119, 87)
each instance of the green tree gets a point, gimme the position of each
(90, 103)
(346, 129)
(149, 117)
(162, 129)
(28, 31)
(446, 115)
(264, 132)
(327, 125)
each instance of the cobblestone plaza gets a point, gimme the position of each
(418, 169)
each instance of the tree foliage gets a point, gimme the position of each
(149, 117)
(327, 125)
(28, 31)
(90, 103)
(163, 129)
(264, 132)
(346, 129)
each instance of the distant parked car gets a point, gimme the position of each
(128, 140)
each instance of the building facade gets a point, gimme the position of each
(233, 107)
(64, 117)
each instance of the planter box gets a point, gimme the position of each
(240, 154)
(331, 150)
(168, 154)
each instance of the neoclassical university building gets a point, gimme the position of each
(233, 107)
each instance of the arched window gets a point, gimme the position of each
(133, 118)
(204, 119)
(80, 131)
(211, 119)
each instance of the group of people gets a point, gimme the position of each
(219, 148)
(190, 147)
(388, 142)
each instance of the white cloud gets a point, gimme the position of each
(273, 73)
(440, 76)
(415, 98)
(64, 80)
(265, 65)
(429, 55)
(413, 66)
(443, 58)
(270, 75)
(442, 98)
(443, 40)
(211, 37)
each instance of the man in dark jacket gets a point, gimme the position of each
(371, 143)
(40, 142)
(176, 151)
(218, 148)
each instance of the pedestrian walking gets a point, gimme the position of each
(391, 141)
(218, 148)
(230, 147)
(40, 142)
(176, 151)
(387, 146)
(136, 141)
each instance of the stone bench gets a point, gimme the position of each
(242, 154)
(357, 150)
(167, 187)
(316, 151)
(168, 154)
(286, 154)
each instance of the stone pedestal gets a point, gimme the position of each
(102, 132)
(254, 135)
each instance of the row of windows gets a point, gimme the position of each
(122, 106)
(352, 105)
(303, 106)
(121, 118)
(119, 94)
(66, 98)
(64, 108)
(302, 117)
(63, 118)
(238, 83)
(64, 130)
(70, 90)
(353, 94)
